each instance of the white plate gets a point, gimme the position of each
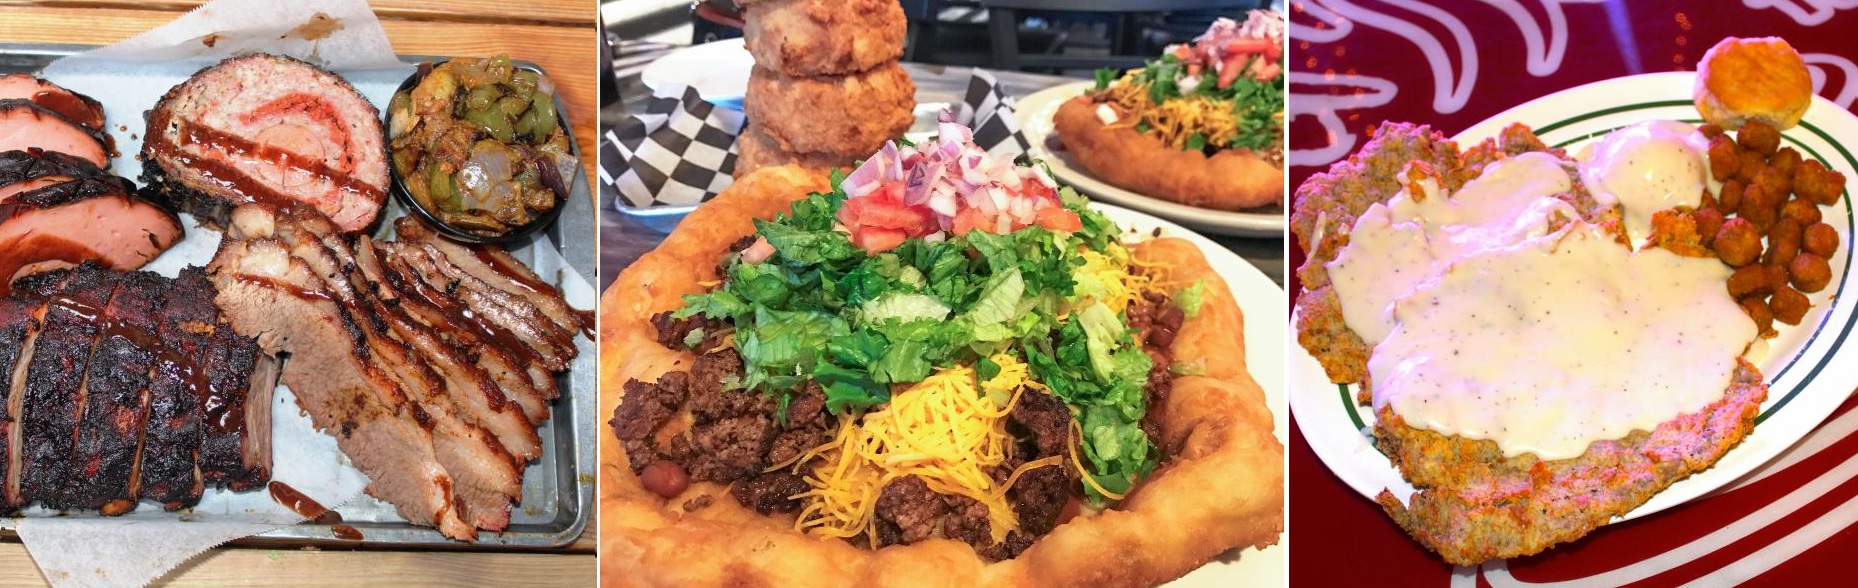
(718, 70)
(1808, 369)
(1035, 119)
(1261, 301)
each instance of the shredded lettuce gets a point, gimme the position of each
(903, 307)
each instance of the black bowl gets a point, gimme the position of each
(406, 199)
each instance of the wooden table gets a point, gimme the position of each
(558, 35)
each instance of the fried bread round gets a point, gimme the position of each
(1231, 179)
(1221, 488)
(824, 37)
(756, 150)
(841, 116)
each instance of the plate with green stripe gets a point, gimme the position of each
(1810, 369)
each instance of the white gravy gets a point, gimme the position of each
(1648, 167)
(1396, 246)
(1560, 341)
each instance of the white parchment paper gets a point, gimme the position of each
(87, 550)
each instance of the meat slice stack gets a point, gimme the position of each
(101, 367)
(58, 206)
(432, 363)
(57, 210)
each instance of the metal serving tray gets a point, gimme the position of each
(558, 489)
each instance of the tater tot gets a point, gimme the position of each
(1788, 305)
(1777, 276)
(1783, 242)
(1759, 137)
(1814, 182)
(1820, 239)
(1774, 181)
(1749, 280)
(1758, 310)
(1810, 272)
(1711, 130)
(1786, 160)
(1750, 164)
(1724, 159)
(1730, 197)
(1760, 207)
(1737, 242)
(1709, 220)
(1802, 211)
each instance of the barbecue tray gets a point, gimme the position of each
(558, 489)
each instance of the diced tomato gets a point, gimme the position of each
(1234, 65)
(878, 240)
(1265, 71)
(885, 209)
(968, 219)
(1058, 218)
(1250, 45)
(1039, 190)
(1183, 52)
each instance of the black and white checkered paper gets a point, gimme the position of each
(681, 151)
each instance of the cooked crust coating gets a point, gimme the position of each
(1476, 505)
(824, 37)
(1223, 489)
(844, 116)
(1232, 179)
(1763, 79)
(756, 150)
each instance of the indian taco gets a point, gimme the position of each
(1203, 125)
(1545, 341)
(939, 369)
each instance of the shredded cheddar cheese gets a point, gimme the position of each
(946, 430)
(1173, 121)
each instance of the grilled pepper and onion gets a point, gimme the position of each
(478, 144)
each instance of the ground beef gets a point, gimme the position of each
(1039, 498)
(909, 504)
(887, 534)
(806, 425)
(645, 408)
(967, 521)
(710, 398)
(771, 492)
(1155, 390)
(1016, 543)
(731, 429)
(672, 332)
(1046, 419)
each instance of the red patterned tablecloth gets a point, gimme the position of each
(1454, 63)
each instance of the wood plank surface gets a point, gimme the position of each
(568, 52)
(356, 569)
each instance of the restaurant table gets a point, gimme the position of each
(559, 36)
(624, 238)
(1790, 523)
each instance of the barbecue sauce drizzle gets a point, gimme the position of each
(211, 139)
